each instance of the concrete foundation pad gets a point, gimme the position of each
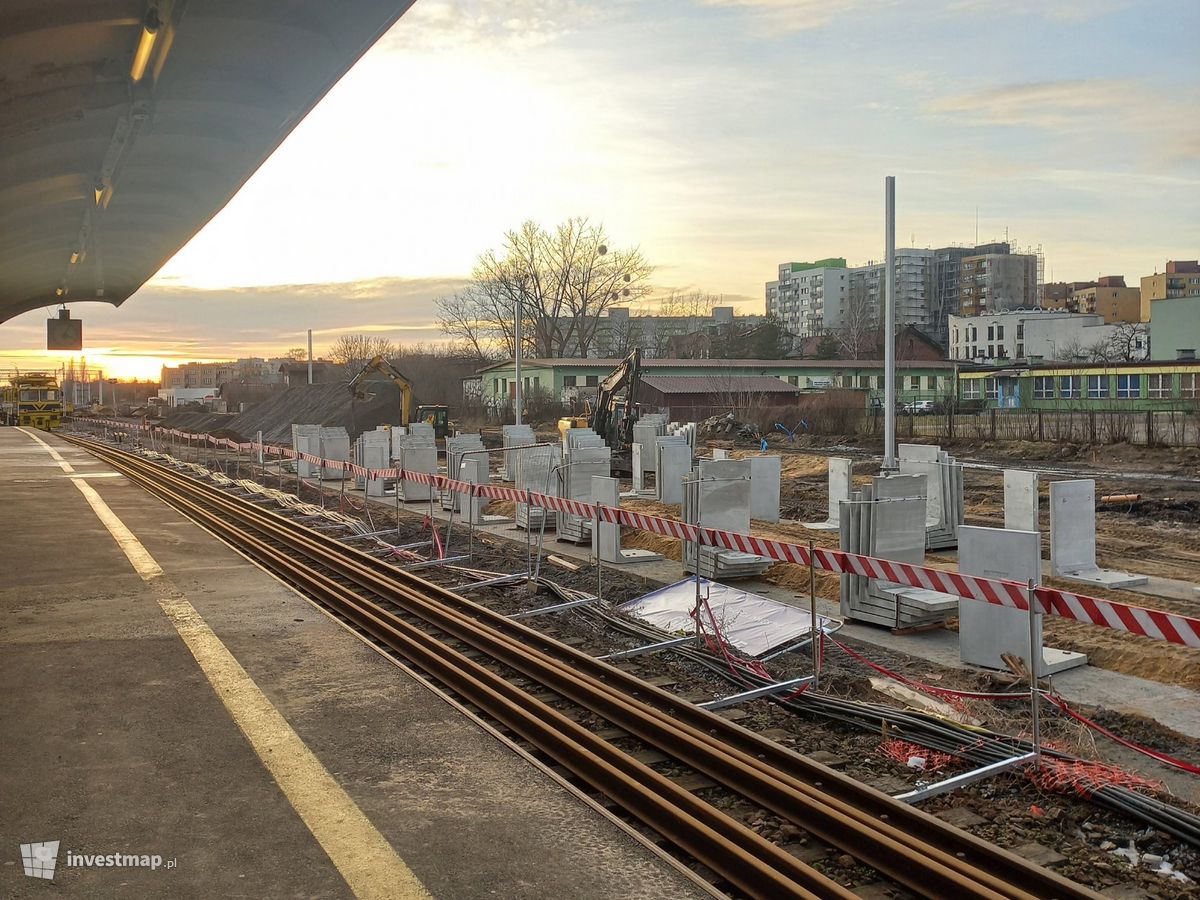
(821, 526)
(1055, 661)
(1104, 577)
(635, 556)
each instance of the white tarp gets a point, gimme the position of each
(751, 623)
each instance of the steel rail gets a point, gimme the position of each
(933, 870)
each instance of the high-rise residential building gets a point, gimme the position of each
(1061, 294)
(1181, 279)
(947, 278)
(914, 290)
(1110, 298)
(810, 298)
(995, 282)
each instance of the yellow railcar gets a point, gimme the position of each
(33, 400)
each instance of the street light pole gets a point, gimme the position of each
(517, 357)
(889, 327)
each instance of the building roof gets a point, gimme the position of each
(718, 384)
(125, 126)
(796, 364)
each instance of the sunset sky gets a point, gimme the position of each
(721, 136)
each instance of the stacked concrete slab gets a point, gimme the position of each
(1073, 536)
(943, 491)
(606, 542)
(646, 431)
(306, 439)
(535, 472)
(841, 479)
(373, 450)
(987, 632)
(456, 446)
(514, 436)
(414, 453)
(721, 500)
(886, 519)
(686, 430)
(575, 483)
(476, 470)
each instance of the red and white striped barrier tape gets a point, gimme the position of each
(1153, 623)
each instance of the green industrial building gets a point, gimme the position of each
(1146, 385)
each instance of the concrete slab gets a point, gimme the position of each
(115, 741)
(606, 542)
(986, 631)
(764, 487)
(1073, 536)
(674, 462)
(1021, 501)
(840, 481)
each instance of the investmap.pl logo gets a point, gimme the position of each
(40, 860)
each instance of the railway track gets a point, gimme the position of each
(515, 675)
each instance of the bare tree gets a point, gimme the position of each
(623, 336)
(859, 331)
(563, 281)
(296, 354)
(353, 351)
(1071, 350)
(1128, 342)
(688, 304)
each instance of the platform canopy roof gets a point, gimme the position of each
(126, 125)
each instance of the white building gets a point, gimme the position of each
(810, 299)
(1051, 335)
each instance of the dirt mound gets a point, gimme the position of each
(319, 404)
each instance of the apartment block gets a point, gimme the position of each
(995, 282)
(810, 298)
(914, 290)
(1110, 298)
(1181, 279)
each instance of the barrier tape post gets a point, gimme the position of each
(817, 634)
(1035, 660)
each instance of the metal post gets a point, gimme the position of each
(1035, 658)
(818, 636)
(310, 381)
(517, 358)
(889, 327)
(596, 544)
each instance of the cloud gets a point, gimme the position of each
(514, 24)
(797, 15)
(1073, 11)
(1058, 105)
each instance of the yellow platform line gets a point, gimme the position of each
(367, 862)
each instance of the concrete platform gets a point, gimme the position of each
(115, 740)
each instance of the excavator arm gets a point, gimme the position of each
(627, 375)
(381, 365)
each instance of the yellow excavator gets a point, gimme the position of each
(437, 415)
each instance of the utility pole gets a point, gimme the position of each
(517, 357)
(889, 326)
(310, 356)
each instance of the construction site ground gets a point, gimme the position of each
(1069, 832)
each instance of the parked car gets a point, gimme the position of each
(920, 408)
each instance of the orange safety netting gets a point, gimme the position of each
(1085, 777)
(902, 751)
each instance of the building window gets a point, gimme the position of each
(495, 385)
(1129, 387)
(999, 332)
(1070, 386)
(991, 332)
(1043, 387)
(992, 389)
(1158, 387)
(970, 389)
(794, 380)
(864, 381)
(1020, 351)
(1187, 386)
(593, 381)
(931, 382)
(1097, 387)
(569, 380)
(914, 382)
